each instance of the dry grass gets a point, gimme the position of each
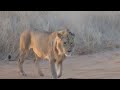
(93, 32)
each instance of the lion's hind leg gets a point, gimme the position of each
(20, 63)
(37, 61)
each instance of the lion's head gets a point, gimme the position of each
(67, 41)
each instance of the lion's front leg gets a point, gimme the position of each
(58, 69)
(53, 70)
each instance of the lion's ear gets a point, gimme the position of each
(72, 34)
(60, 34)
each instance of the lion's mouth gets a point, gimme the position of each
(68, 55)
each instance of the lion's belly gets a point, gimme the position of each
(41, 54)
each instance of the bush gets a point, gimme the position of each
(93, 32)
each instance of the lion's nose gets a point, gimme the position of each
(69, 50)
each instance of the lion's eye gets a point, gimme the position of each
(64, 42)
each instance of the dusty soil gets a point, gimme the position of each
(103, 65)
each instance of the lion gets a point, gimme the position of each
(52, 46)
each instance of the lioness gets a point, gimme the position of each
(52, 46)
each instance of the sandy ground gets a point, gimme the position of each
(103, 65)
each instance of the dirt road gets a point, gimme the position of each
(103, 65)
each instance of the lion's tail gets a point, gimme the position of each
(16, 58)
